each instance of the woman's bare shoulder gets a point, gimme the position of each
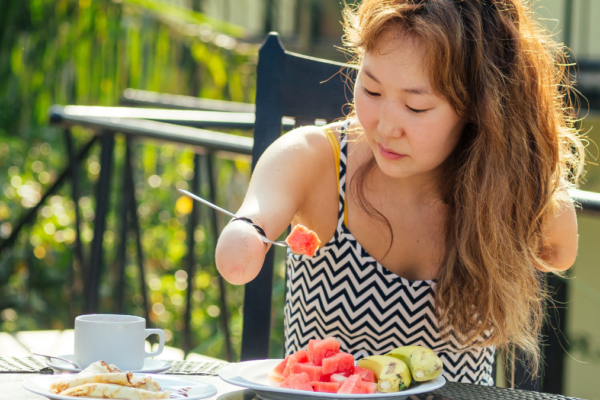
(561, 238)
(306, 143)
(336, 128)
(295, 159)
(290, 171)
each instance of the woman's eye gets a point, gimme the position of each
(415, 110)
(372, 94)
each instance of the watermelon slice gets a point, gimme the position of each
(300, 356)
(329, 387)
(309, 348)
(302, 240)
(345, 373)
(353, 385)
(298, 382)
(325, 348)
(337, 378)
(277, 373)
(340, 362)
(370, 387)
(366, 374)
(314, 372)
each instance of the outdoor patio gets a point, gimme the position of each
(93, 154)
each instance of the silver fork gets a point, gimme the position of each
(208, 203)
(58, 358)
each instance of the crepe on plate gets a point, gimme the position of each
(112, 391)
(107, 381)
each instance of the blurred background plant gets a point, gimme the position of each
(89, 52)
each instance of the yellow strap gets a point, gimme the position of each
(335, 146)
(336, 154)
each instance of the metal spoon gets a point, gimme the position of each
(58, 358)
(208, 203)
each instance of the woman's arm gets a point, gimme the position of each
(279, 186)
(560, 249)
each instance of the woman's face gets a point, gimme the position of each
(410, 129)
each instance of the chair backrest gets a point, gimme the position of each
(305, 88)
(290, 85)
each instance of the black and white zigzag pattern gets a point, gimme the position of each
(343, 292)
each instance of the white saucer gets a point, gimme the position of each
(151, 365)
(196, 390)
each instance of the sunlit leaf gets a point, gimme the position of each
(88, 52)
(163, 9)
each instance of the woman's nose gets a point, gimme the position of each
(390, 122)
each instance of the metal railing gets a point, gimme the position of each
(197, 119)
(176, 126)
(136, 124)
(144, 98)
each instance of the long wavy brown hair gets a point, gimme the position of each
(507, 78)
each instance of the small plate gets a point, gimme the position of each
(254, 375)
(151, 365)
(198, 390)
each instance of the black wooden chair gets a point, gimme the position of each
(305, 88)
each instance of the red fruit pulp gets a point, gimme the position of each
(314, 372)
(353, 385)
(323, 349)
(298, 357)
(340, 362)
(298, 382)
(302, 240)
(366, 374)
(328, 387)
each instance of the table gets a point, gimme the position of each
(11, 388)
(57, 342)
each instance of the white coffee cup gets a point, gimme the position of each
(115, 339)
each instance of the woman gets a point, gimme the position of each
(443, 198)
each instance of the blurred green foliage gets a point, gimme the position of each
(87, 52)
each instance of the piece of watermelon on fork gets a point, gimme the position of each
(302, 240)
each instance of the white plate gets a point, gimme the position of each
(151, 365)
(253, 375)
(198, 390)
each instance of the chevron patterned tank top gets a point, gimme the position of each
(343, 292)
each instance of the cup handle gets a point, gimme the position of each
(161, 344)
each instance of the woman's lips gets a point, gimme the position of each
(390, 155)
